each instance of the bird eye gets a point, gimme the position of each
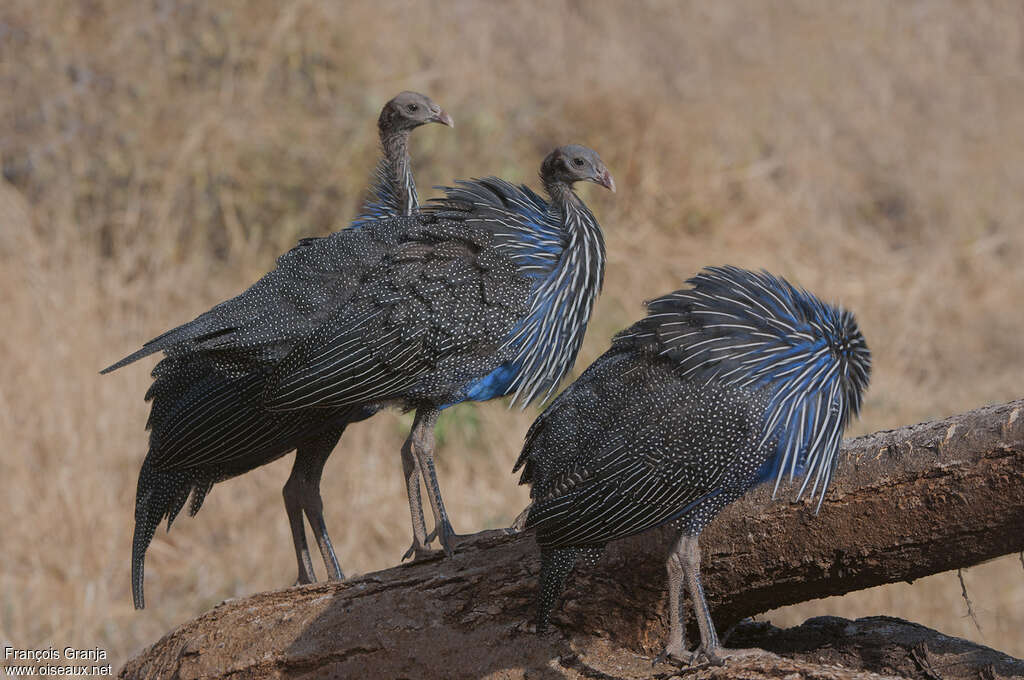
(578, 162)
(413, 107)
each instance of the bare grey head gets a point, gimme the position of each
(574, 163)
(409, 110)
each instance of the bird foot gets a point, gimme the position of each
(702, 657)
(448, 538)
(673, 654)
(306, 573)
(727, 653)
(419, 551)
(711, 657)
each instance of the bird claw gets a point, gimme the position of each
(448, 538)
(702, 657)
(445, 535)
(711, 657)
(304, 579)
(671, 656)
(419, 552)
(696, 660)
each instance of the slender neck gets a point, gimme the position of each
(398, 164)
(562, 196)
(584, 243)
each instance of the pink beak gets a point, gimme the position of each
(443, 117)
(606, 181)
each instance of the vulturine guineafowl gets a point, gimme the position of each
(740, 379)
(207, 420)
(420, 346)
(394, 193)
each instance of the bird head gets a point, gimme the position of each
(574, 163)
(408, 111)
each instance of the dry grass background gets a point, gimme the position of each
(157, 156)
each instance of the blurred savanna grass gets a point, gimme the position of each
(158, 155)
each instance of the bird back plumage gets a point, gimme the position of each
(740, 377)
(757, 331)
(431, 317)
(521, 221)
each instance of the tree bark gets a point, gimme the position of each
(905, 503)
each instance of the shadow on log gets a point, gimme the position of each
(905, 504)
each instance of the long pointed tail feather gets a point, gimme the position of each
(147, 517)
(159, 495)
(555, 566)
(196, 332)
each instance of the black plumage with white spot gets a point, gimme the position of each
(208, 421)
(739, 379)
(412, 340)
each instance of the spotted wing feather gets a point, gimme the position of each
(645, 453)
(564, 256)
(259, 325)
(431, 316)
(753, 330)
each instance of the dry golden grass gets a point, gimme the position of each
(156, 157)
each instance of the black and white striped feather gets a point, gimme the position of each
(720, 386)
(423, 323)
(559, 245)
(757, 331)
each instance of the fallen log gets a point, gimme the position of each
(905, 503)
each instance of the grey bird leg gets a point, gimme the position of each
(687, 551)
(293, 506)
(675, 648)
(422, 438)
(302, 493)
(420, 540)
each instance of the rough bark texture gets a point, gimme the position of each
(906, 503)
